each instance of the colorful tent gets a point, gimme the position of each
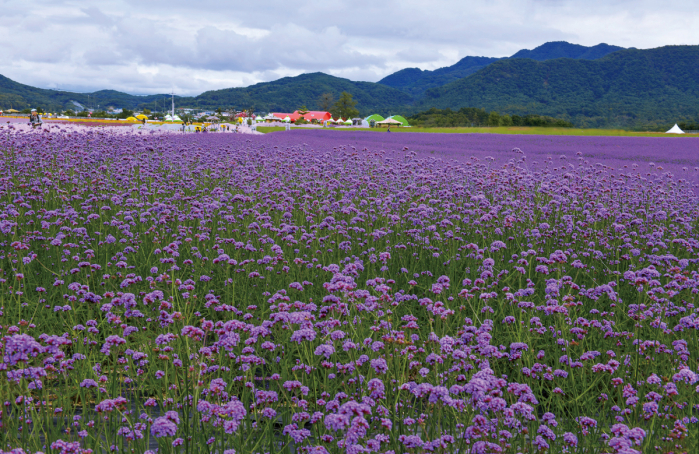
(403, 121)
(675, 130)
(374, 117)
(131, 119)
(287, 119)
(348, 122)
(142, 117)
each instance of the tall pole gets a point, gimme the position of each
(173, 104)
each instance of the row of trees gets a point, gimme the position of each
(343, 108)
(474, 117)
(685, 126)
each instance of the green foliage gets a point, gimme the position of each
(416, 81)
(146, 111)
(344, 107)
(83, 113)
(472, 117)
(628, 88)
(286, 94)
(125, 114)
(70, 112)
(688, 126)
(325, 102)
(19, 96)
(635, 89)
(563, 49)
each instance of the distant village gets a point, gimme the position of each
(298, 118)
(189, 116)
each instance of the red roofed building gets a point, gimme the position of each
(316, 115)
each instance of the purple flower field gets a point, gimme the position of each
(341, 292)
(671, 153)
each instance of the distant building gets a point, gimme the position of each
(310, 116)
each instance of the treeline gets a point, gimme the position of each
(685, 126)
(474, 117)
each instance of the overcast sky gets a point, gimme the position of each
(155, 46)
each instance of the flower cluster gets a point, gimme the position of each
(216, 293)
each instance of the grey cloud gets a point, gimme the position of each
(145, 46)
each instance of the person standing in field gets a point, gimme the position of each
(35, 119)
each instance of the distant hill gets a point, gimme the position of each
(625, 88)
(290, 93)
(563, 49)
(416, 81)
(19, 96)
(286, 94)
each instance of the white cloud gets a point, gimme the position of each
(161, 45)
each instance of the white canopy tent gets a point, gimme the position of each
(389, 122)
(675, 130)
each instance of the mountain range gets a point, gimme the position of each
(599, 86)
(630, 87)
(416, 81)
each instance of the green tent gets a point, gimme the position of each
(401, 119)
(375, 117)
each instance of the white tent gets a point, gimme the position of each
(675, 130)
(389, 122)
(286, 119)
